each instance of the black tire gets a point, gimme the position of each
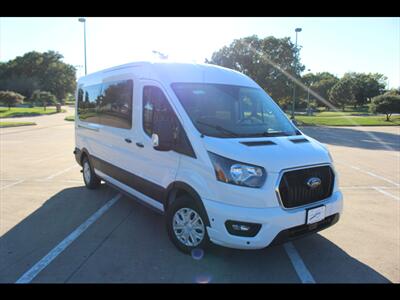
(181, 203)
(93, 182)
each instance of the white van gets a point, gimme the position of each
(209, 149)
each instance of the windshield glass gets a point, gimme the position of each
(221, 110)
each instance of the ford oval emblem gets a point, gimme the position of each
(313, 182)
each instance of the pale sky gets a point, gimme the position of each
(336, 45)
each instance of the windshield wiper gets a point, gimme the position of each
(217, 127)
(268, 134)
(276, 133)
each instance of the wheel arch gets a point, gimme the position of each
(178, 188)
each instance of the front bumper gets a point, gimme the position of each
(273, 221)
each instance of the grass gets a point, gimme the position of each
(347, 120)
(15, 124)
(26, 111)
(69, 118)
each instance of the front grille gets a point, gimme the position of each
(294, 191)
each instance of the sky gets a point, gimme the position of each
(336, 45)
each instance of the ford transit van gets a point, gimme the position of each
(209, 149)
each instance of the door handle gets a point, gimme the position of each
(128, 140)
(139, 145)
(88, 127)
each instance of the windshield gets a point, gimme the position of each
(221, 110)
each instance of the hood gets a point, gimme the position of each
(272, 153)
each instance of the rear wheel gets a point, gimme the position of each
(89, 177)
(186, 225)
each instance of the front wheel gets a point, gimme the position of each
(186, 225)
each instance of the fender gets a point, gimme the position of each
(174, 187)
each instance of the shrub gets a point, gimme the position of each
(10, 98)
(386, 104)
(43, 98)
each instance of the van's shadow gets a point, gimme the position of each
(354, 138)
(32, 238)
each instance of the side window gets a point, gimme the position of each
(116, 104)
(88, 103)
(156, 107)
(154, 103)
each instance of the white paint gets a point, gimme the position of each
(11, 184)
(130, 190)
(29, 275)
(355, 187)
(369, 173)
(386, 193)
(298, 264)
(61, 172)
(382, 178)
(48, 157)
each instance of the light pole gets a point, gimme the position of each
(308, 98)
(83, 20)
(294, 83)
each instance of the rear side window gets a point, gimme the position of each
(88, 103)
(108, 104)
(116, 104)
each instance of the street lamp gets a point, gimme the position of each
(308, 97)
(294, 83)
(83, 20)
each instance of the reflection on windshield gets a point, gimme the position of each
(232, 111)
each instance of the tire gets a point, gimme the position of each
(181, 207)
(89, 177)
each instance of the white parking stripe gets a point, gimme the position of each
(11, 184)
(61, 172)
(298, 264)
(369, 173)
(48, 157)
(45, 261)
(386, 193)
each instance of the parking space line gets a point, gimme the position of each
(48, 157)
(369, 173)
(61, 172)
(298, 264)
(11, 184)
(29, 275)
(386, 193)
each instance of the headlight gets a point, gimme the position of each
(234, 172)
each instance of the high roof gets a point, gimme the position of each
(169, 72)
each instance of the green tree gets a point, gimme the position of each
(34, 70)
(386, 104)
(10, 98)
(43, 98)
(342, 93)
(366, 86)
(264, 60)
(320, 83)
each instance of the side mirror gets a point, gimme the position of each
(154, 140)
(163, 135)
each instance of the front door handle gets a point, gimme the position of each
(139, 145)
(128, 140)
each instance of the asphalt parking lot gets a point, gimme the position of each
(43, 200)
